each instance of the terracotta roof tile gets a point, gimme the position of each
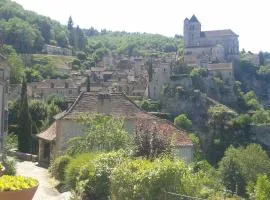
(49, 134)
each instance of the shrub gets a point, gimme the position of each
(10, 167)
(181, 121)
(73, 168)
(13, 183)
(142, 179)
(57, 167)
(94, 179)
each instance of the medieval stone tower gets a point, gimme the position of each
(192, 31)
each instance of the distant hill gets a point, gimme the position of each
(27, 31)
(132, 44)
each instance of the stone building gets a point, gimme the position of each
(42, 89)
(4, 76)
(52, 142)
(55, 50)
(204, 47)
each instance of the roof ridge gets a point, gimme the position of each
(72, 106)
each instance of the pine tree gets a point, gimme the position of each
(24, 122)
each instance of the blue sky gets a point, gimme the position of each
(249, 19)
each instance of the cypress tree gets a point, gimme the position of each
(24, 122)
(88, 84)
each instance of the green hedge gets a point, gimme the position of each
(57, 167)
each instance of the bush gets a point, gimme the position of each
(142, 179)
(73, 168)
(94, 179)
(181, 121)
(10, 167)
(57, 167)
(13, 183)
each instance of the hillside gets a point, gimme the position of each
(27, 31)
(133, 44)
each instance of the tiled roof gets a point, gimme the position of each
(91, 102)
(218, 33)
(49, 134)
(178, 137)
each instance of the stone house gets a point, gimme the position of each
(42, 89)
(55, 50)
(52, 142)
(4, 77)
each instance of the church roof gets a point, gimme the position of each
(218, 33)
(193, 19)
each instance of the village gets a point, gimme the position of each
(178, 109)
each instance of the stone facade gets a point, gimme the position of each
(55, 50)
(203, 47)
(66, 88)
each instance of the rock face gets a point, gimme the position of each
(261, 87)
(261, 134)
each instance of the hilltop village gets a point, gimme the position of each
(117, 115)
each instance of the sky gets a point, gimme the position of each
(247, 18)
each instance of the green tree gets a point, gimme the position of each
(32, 75)
(240, 166)
(16, 68)
(261, 189)
(102, 133)
(24, 122)
(181, 121)
(261, 58)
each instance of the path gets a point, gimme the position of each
(45, 190)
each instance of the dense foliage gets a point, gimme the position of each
(242, 165)
(181, 121)
(27, 31)
(57, 167)
(102, 133)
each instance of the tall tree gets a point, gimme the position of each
(72, 33)
(70, 23)
(88, 84)
(24, 122)
(261, 58)
(81, 39)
